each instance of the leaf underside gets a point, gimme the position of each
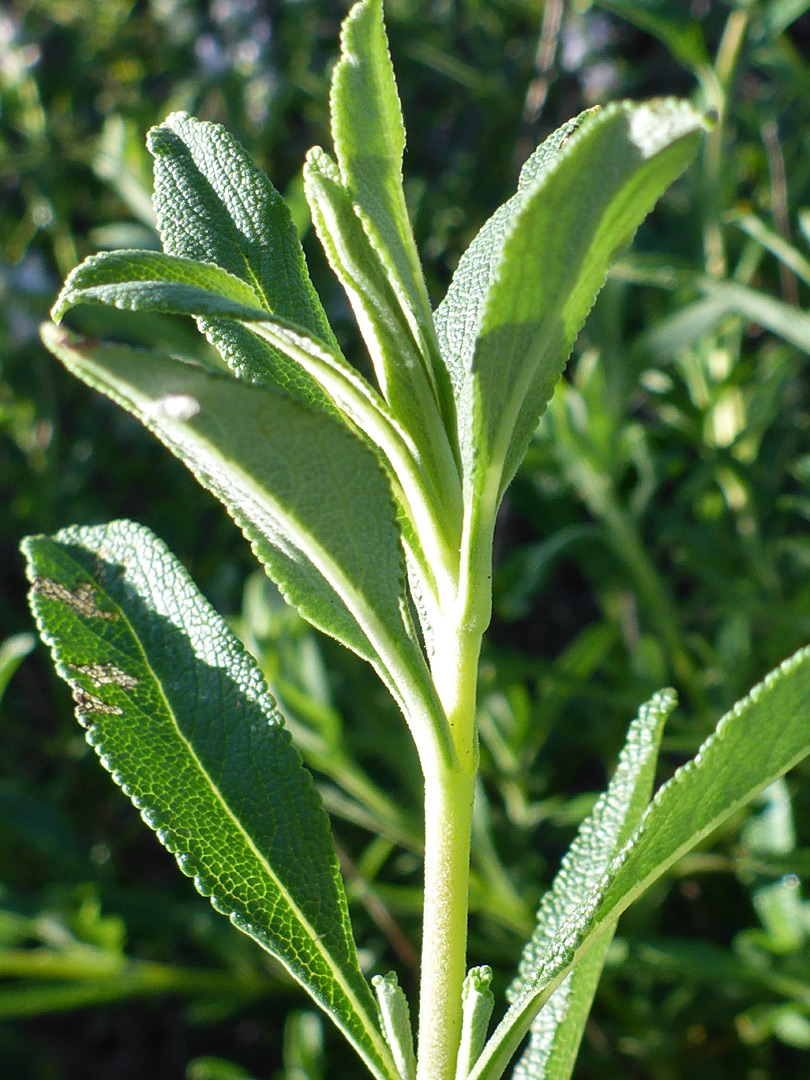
(309, 495)
(179, 714)
(557, 1029)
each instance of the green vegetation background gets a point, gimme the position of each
(657, 534)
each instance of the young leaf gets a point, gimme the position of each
(397, 359)
(557, 1029)
(180, 715)
(308, 494)
(369, 139)
(762, 737)
(215, 206)
(459, 314)
(543, 261)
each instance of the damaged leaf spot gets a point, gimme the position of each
(82, 599)
(100, 674)
(89, 703)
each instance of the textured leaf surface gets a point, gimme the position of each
(557, 1029)
(180, 715)
(151, 281)
(459, 314)
(369, 139)
(308, 494)
(762, 737)
(542, 261)
(214, 205)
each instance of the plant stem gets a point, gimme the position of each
(449, 798)
(448, 824)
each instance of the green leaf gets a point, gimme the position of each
(179, 714)
(396, 356)
(557, 1029)
(459, 314)
(148, 280)
(12, 653)
(309, 495)
(369, 139)
(170, 284)
(213, 205)
(522, 292)
(763, 736)
(572, 220)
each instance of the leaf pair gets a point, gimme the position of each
(313, 497)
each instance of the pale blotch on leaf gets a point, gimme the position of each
(101, 674)
(175, 407)
(89, 703)
(82, 599)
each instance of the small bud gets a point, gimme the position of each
(396, 1022)
(477, 1002)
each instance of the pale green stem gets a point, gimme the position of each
(448, 822)
(449, 797)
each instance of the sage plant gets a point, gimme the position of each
(373, 507)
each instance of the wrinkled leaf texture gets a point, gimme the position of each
(179, 714)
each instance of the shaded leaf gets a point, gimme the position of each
(369, 139)
(214, 205)
(557, 1029)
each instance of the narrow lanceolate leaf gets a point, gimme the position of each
(557, 1029)
(396, 355)
(369, 139)
(763, 736)
(179, 714)
(459, 314)
(540, 266)
(214, 205)
(309, 495)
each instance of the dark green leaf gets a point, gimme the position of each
(180, 715)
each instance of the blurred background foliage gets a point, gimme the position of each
(657, 533)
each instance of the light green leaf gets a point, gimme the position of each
(720, 299)
(12, 653)
(786, 320)
(396, 356)
(557, 1029)
(215, 206)
(309, 495)
(573, 217)
(179, 714)
(773, 242)
(170, 284)
(763, 736)
(459, 314)
(369, 139)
